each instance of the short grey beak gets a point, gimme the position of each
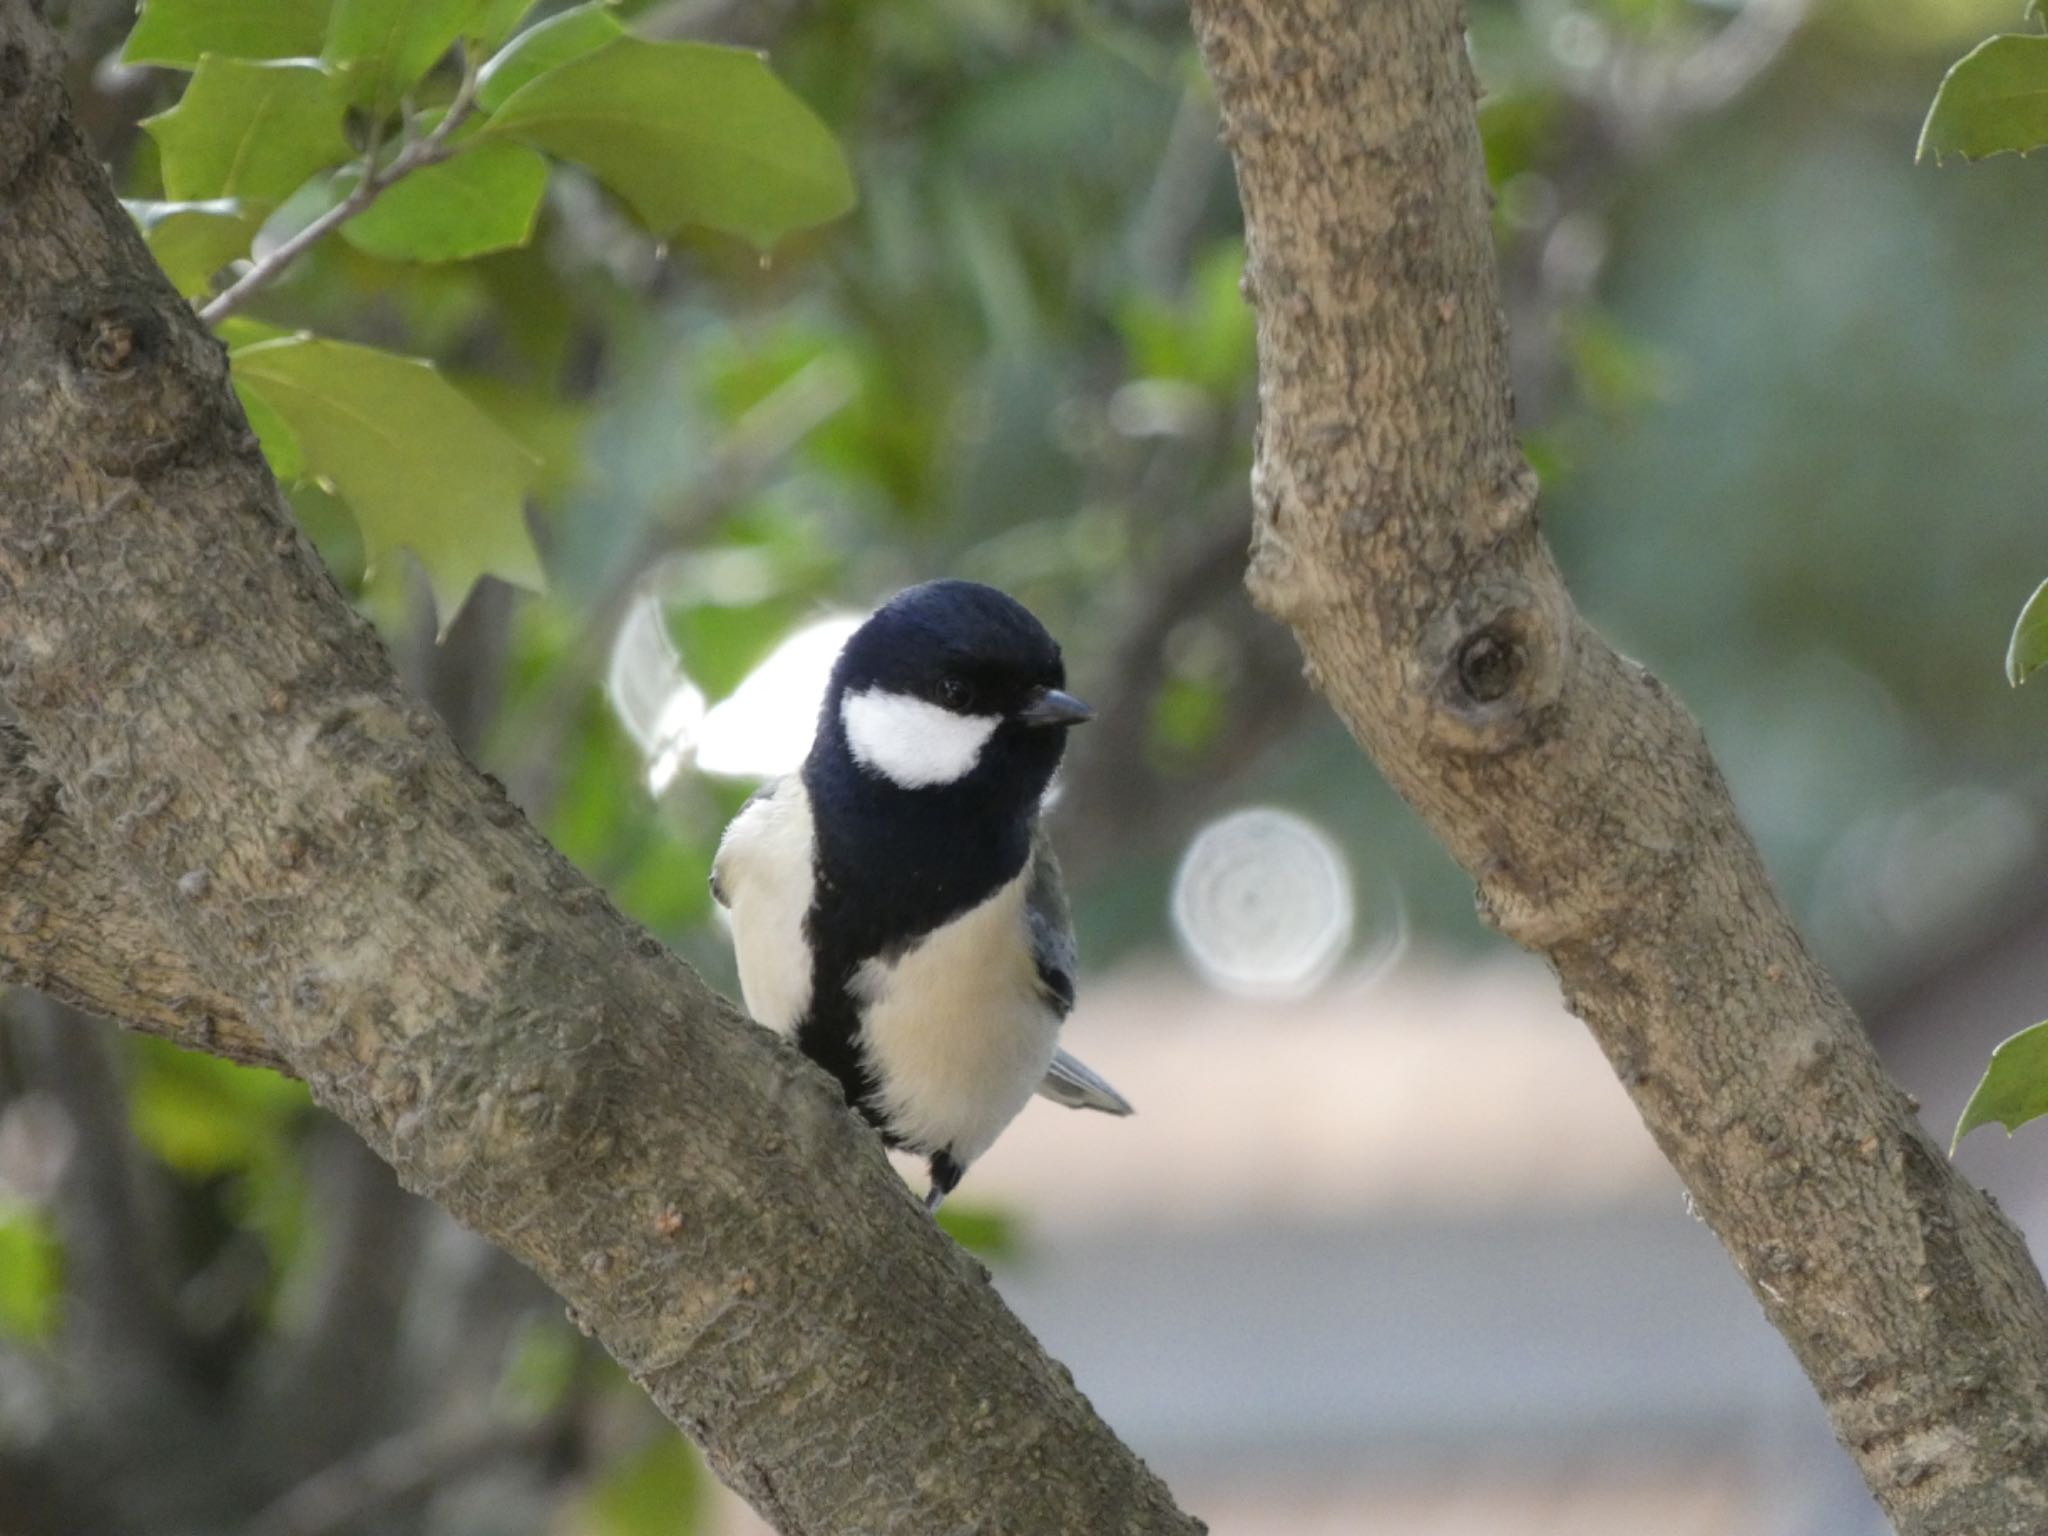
(1052, 707)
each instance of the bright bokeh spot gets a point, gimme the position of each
(765, 728)
(1263, 904)
(661, 709)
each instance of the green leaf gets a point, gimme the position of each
(29, 1272)
(654, 1493)
(485, 199)
(205, 1116)
(387, 45)
(490, 22)
(420, 466)
(1994, 101)
(988, 1233)
(178, 32)
(192, 241)
(687, 134)
(280, 443)
(556, 41)
(251, 131)
(2027, 651)
(2015, 1085)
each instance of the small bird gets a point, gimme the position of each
(896, 907)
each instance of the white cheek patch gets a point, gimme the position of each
(911, 743)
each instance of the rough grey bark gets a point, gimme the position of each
(228, 736)
(1396, 532)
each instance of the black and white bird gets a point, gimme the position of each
(896, 908)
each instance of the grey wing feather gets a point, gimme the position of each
(1077, 1086)
(1052, 927)
(1067, 1081)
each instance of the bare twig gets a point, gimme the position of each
(393, 1471)
(430, 148)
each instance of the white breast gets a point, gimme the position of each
(764, 872)
(956, 1031)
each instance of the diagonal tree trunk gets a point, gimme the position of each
(1396, 532)
(229, 737)
(215, 747)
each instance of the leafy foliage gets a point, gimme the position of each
(485, 199)
(687, 134)
(178, 32)
(29, 1272)
(388, 45)
(421, 467)
(193, 241)
(545, 46)
(1993, 102)
(2014, 1088)
(251, 130)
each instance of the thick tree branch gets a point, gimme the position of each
(1396, 532)
(71, 927)
(229, 735)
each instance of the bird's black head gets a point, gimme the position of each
(952, 689)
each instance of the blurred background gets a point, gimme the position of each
(1385, 1247)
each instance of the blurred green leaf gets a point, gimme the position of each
(1994, 101)
(2027, 651)
(178, 32)
(539, 1368)
(1187, 715)
(386, 46)
(206, 1116)
(1208, 337)
(653, 1493)
(420, 466)
(687, 134)
(2014, 1089)
(485, 199)
(554, 42)
(550, 427)
(490, 22)
(981, 1230)
(249, 130)
(30, 1269)
(193, 241)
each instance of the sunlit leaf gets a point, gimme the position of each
(252, 131)
(177, 32)
(2027, 651)
(580, 30)
(29, 1273)
(193, 241)
(1994, 101)
(419, 464)
(485, 199)
(387, 45)
(687, 134)
(2015, 1085)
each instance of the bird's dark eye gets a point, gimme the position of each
(956, 694)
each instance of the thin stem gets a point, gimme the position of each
(431, 149)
